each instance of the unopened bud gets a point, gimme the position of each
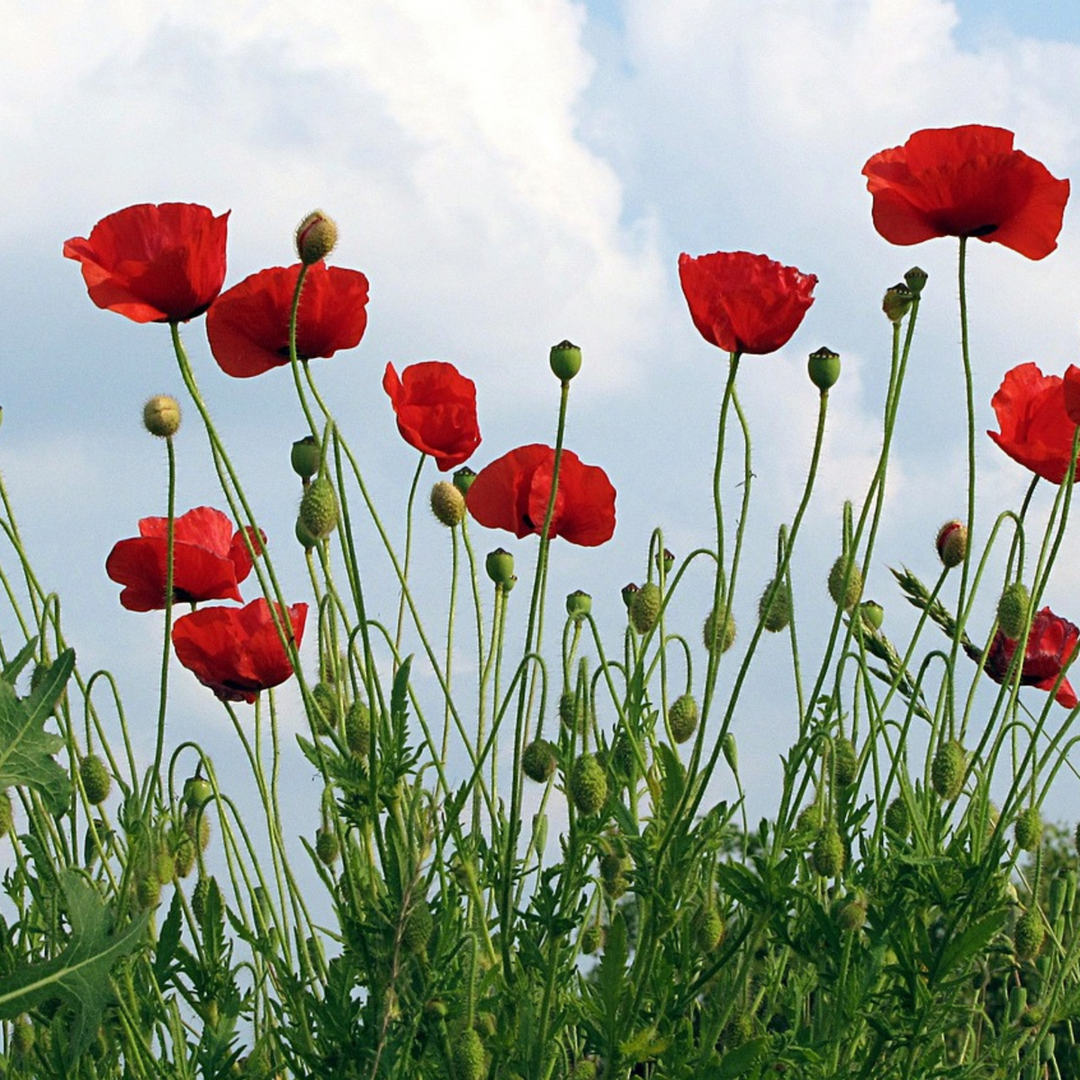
(161, 416)
(447, 503)
(316, 237)
(952, 543)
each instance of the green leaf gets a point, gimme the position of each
(80, 975)
(399, 695)
(964, 946)
(14, 666)
(742, 1059)
(26, 748)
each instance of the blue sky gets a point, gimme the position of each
(508, 175)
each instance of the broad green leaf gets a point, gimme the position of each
(741, 1060)
(26, 748)
(80, 975)
(964, 946)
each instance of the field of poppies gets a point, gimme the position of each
(889, 918)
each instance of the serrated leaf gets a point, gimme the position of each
(399, 695)
(80, 975)
(168, 940)
(965, 945)
(741, 1060)
(26, 748)
(15, 665)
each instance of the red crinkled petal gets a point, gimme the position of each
(435, 407)
(248, 326)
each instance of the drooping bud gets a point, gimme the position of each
(718, 634)
(845, 583)
(852, 914)
(578, 605)
(897, 819)
(1028, 829)
(327, 846)
(316, 237)
(358, 728)
(571, 714)
(1012, 609)
(731, 751)
(463, 479)
(499, 565)
(645, 607)
(845, 762)
(683, 717)
(828, 856)
(161, 416)
(305, 457)
(915, 279)
(447, 504)
(319, 508)
(824, 368)
(708, 928)
(304, 536)
(897, 302)
(774, 607)
(947, 770)
(587, 784)
(1028, 935)
(565, 360)
(467, 1056)
(952, 543)
(198, 791)
(538, 761)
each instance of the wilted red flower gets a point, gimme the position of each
(966, 181)
(436, 410)
(154, 263)
(1050, 645)
(1035, 428)
(745, 303)
(248, 326)
(512, 493)
(209, 560)
(236, 651)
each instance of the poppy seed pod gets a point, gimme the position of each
(578, 605)
(463, 479)
(161, 416)
(823, 368)
(915, 279)
(316, 237)
(873, 614)
(565, 360)
(305, 457)
(897, 302)
(499, 565)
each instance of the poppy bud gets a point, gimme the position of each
(731, 751)
(316, 237)
(467, 1058)
(538, 761)
(845, 583)
(1028, 829)
(824, 368)
(578, 605)
(645, 607)
(947, 770)
(463, 479)
(161, 416)
(717, 635)
(828, 856)
(952, 543)
(447, 503)
(572, 715)
(1012, 609)
(915, 279)
(319, 508)
(7, 813)
(358, 728)
(628, 593)
(708, 928)
(897, 819)
(774, 607)
(1028, 935)
(845, 762)
(872, 613)
(897, 302)
(852, 915)
(592, 939)
(683, 717)
(587, 784)
(305, 457)
(95, 778)
(327, 846)
(304, 536)
(565, 360)
(500, 567)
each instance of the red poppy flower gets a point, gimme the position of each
(209, 560)
(436, 410)
(248, 326)
(236, 651)
(512, 493)
(154, 263)
(966, 181)
(1050, 645)
(1071, 389)
(745, 303)
(1035, 427)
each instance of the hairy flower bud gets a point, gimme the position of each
(587, 784)
(316, 237)
(538, 761)
(161, 416)
(1012, 609)
(952, 543)
(645, 607)
(319, 508)
(683, 717)
(447, 504)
